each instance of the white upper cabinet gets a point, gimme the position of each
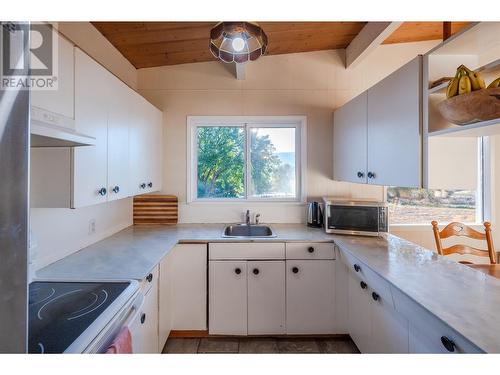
(60, 101)
(146, 137)
(394, 128)
(120, 100)
(349, 141)
(127, 156)
(91, 117)
(377, 135)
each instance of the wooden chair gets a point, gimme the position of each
(462, 230)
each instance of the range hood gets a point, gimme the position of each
(52, 130)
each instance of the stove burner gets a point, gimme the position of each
(103, 299)
(59, 312)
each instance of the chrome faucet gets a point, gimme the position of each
(247, 217)
(257, 219)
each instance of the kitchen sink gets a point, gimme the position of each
(244, 230)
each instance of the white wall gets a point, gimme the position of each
(311, 84)
(60, 232)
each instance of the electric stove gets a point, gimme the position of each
(69, 315)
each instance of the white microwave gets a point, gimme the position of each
(358, 217)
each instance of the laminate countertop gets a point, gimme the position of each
(465, 299)
(133, 252)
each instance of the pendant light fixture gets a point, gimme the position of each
(237, 42)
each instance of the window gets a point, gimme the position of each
(421, 206)
(246, 158)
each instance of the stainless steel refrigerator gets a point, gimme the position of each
(14, 206)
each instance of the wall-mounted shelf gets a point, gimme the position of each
(477, 129)
(491, 69)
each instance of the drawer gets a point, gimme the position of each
(378, 284)
(426, 330)
(245, 250)
(148, 281)
(310, 250)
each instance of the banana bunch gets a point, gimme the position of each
(465, 81)
(495, 83)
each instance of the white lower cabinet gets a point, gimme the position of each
(310, 297)
(227, 297)
(165, 300)
(144, 330)
(359, 322)
(189, 296)
(266, 297)
(374, 325)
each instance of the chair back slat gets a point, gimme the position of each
(464, 249)
(461, 230)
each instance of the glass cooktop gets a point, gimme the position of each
(59, 312)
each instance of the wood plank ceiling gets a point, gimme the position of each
(149, 44)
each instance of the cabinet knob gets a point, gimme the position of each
(371, 175)
(150, 184)
(375, 296)
(295, 269)
(363, 285)
(357, 268)
(310, 249)
(116, 189)
(448, 344)
(143, 185)
(361, 174)
(256, 271)
(143, 318)
(149, 277)
(102, 191)
(237, 271)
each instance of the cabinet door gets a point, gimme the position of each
(310, 296)
(389, 329)
(190, 287)
(90, 163)
(60, 101)
(349, 141)
(155, 148)
(394, 128)
(144, 329)
(165, 301)
(227, 297)
(266, 297)
(120, 102)
(138, 146)
(359, 320)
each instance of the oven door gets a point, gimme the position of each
(362, 220)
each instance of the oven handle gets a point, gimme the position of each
(134, 310)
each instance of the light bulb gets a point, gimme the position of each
(238, 44)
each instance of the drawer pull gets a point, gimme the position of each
(295, 269)
(143, 318)
(255, 271)
(357, 268)
(149, 277)
(311, 249)
(363, 285)
(448, 344)
(237, 271)
(375, 296)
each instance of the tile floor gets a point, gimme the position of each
(260, 345)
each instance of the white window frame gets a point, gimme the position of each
(484, 193)
(247, 122)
